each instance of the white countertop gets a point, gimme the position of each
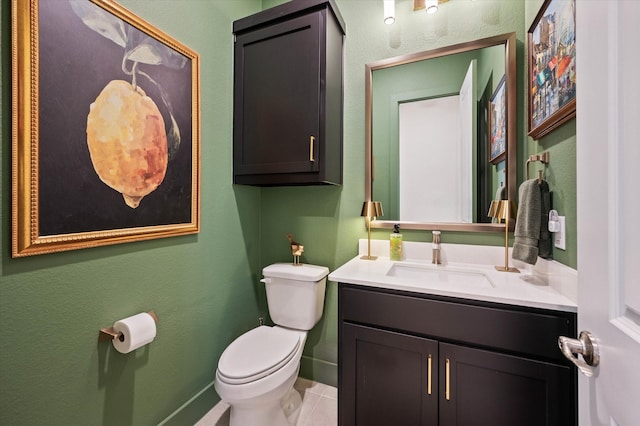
(547, 285)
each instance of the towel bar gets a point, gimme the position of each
(543, 158)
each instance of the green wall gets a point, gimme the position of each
(205, 287)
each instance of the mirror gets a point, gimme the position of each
(431, 157)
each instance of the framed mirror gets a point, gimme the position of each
(441, 135)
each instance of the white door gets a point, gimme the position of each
(608, 195)
(468, 129)
(425, 131)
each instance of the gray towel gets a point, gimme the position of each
(527, 231)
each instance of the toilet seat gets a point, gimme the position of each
(256, 354)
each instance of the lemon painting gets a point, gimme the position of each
(128, 146)
(125, 130)
(116, 122)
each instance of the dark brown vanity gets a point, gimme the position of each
(447, 354)
(410, 358)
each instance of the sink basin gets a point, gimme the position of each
(439, 277)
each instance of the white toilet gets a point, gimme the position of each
(256, 371)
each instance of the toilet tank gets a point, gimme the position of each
(295, 294)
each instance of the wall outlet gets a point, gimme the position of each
(560, 236)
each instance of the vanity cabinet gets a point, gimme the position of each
(415, 359)
(288, 95)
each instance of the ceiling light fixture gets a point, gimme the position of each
(389, 11)
(431, 6)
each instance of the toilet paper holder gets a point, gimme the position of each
(108, 333)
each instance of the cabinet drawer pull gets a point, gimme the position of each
(447, 387)
(429, 375)
(312, 140)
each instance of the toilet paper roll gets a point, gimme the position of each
(137, 331)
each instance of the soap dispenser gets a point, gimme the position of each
(395, 243)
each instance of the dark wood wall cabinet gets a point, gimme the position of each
(288, 95)
(412, 359)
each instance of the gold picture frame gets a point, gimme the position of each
(105, 128)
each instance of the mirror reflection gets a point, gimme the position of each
(430, 116)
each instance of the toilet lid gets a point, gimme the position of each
(298, 272)
(257, 353)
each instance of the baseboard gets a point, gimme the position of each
(319, 371)
(194, 409)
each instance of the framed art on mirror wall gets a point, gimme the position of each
(498, 124)
(551, 52)
(105, 128)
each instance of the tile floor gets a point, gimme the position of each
(319, 406)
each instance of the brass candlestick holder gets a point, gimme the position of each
(370, 210)
(504, 210)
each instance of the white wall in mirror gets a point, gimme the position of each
(435, 156)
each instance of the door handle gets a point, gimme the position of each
(584, 345)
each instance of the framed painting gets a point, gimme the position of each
(105, 128)
(498, 123)
(551, 49)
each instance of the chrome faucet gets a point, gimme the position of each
(435, 248)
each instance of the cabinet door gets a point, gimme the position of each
(387, 378)
(277, 98)
(489, 388)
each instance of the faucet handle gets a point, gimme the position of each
(435, 252)
(436, 237)
(296, 249)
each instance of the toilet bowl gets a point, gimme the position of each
(254, 383)
(256, 372)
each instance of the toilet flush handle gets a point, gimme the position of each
(266, 280)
